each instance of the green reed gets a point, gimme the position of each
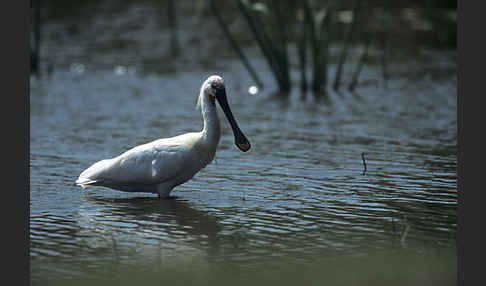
(275, 24)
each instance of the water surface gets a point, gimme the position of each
(300, 193)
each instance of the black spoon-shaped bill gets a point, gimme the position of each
(240, 140)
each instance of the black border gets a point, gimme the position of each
(15, 66)
(460, 183)
(470, 87)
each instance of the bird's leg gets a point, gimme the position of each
(163, 191)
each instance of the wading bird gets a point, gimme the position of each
(159, 166)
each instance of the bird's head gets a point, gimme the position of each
(213, 89)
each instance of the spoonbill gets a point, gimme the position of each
(160, 165)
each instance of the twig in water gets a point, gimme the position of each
(404, 235)
(364, 163)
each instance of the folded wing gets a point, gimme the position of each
(144, 165)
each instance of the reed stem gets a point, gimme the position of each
(309, 20)
(359, 66)
(323, 57)
(302, 50)
(235, 45)
(264, 43)
(281, 49)
(384, 55)
(347, 42)
(172, 17)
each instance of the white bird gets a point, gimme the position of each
(161, 165)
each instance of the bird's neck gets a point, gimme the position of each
(211, 131)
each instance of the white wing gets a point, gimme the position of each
(147, 164)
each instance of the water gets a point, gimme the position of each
(298, 197)
(298, 192)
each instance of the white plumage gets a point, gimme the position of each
(161, 165)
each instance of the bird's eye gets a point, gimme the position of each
(217, 85)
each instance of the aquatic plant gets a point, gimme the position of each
(234, 44)
(275, 24)
(274, 51)
(318, 29)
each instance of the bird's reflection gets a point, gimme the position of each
(152, 209)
